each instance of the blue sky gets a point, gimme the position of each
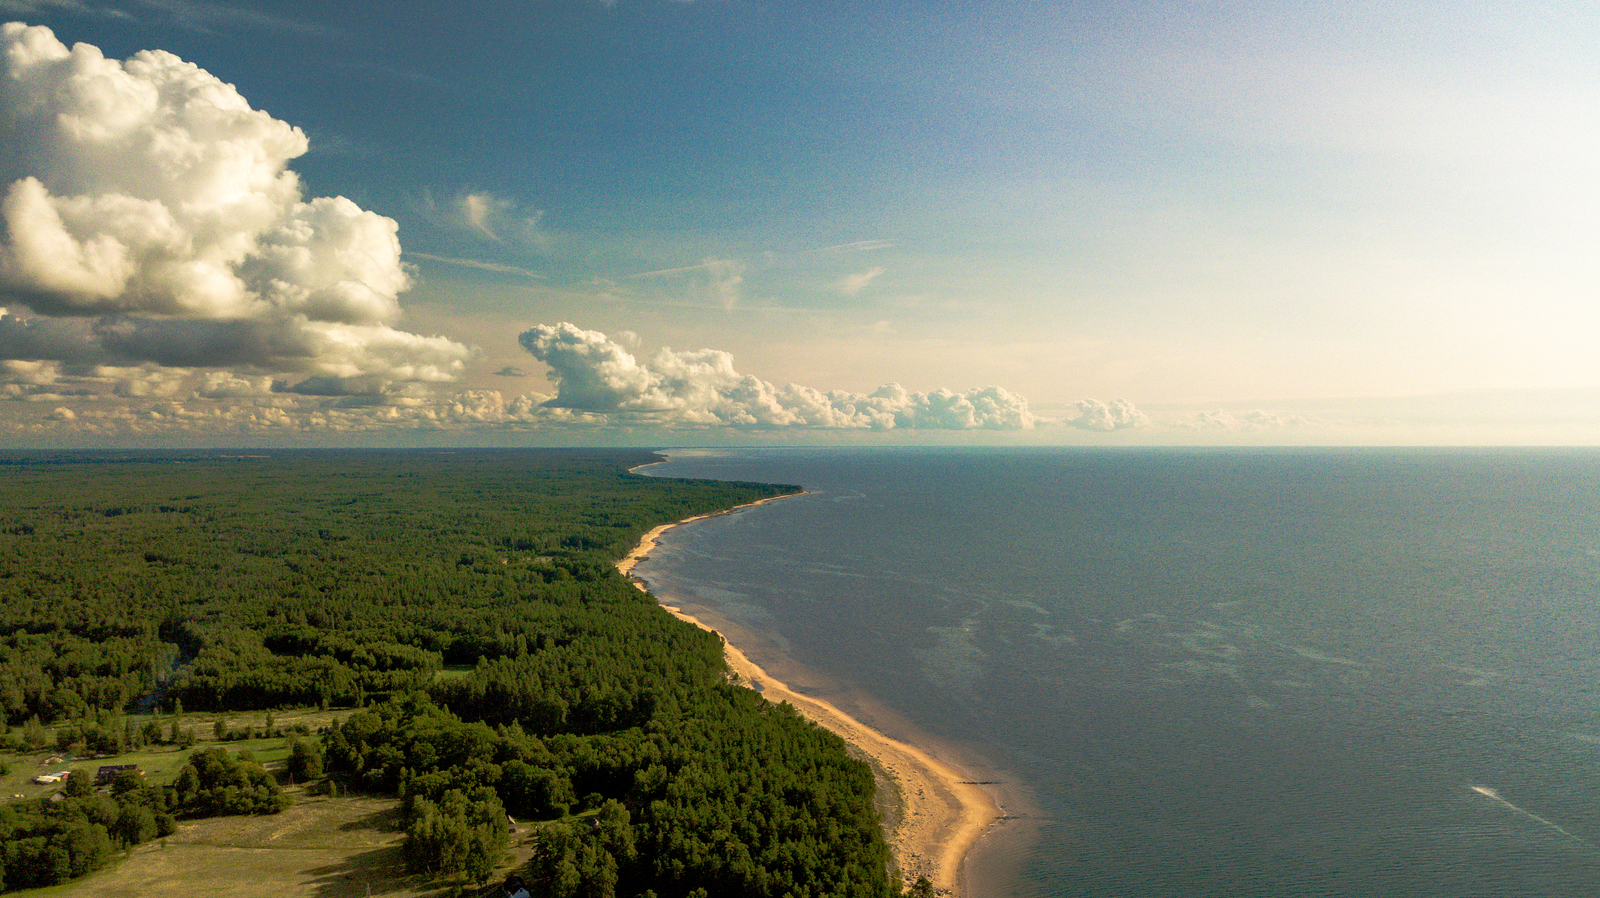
(723, 221)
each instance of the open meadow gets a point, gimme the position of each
(318, 848)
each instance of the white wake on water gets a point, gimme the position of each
(1494, 796)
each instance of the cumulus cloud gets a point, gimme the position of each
(1098, 415)
(149, 216)
(227, 385)
(53, 382)
(215, 412)
(596, 375)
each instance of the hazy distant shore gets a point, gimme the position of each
(943, 813)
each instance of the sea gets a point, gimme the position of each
(1221, 672)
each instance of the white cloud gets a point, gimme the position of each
(1098, 415)
(725, 281)
(860, 246)
(1242, 421)
(192, 15)
(496, 267)
(207, 415)
(76, 7)
(143, 382)
(227, 385)
(36, 381)
(719, 281)
(149, 216)
(852, 284)
(487, 217)
(596, 375)
(479, 211)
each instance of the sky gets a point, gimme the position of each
(657, 222)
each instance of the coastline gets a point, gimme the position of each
(943, 813)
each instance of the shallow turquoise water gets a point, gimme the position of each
(1216, 672)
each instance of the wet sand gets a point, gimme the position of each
(943, 814)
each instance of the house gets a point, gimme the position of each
(515, 887)
(45, 779)
(106, 774)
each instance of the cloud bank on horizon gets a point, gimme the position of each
(595, 374)
(162, 272)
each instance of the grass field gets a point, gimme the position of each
(161, 763)
(319, 848)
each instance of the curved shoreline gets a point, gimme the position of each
(944, 813)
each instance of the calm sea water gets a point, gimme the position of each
(1262, 672)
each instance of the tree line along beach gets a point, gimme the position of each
(941, 812)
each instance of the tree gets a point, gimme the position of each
(305, 760)
(79, 784)
(535, 791)
(88, 845)
(33, 733)
(135, 825)
(35, 862)
(217, 782)
(461, 833)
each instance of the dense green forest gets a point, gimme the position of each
(466, 604)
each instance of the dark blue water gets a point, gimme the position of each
(1262, 672)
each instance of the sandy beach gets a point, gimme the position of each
(943, 813)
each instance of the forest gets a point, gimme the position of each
(466, 607)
